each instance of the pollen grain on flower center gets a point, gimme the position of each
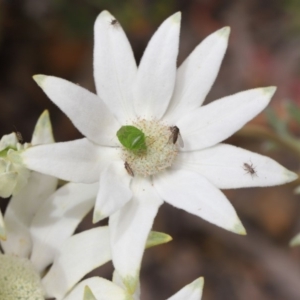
(160, 152)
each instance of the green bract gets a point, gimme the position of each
(132, 139)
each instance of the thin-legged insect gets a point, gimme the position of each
(250, 169)
(128, 169)
(19, 135)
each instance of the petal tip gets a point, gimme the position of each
(39, 79)
(105, 15)
(295, 241)
(45, 114)
(168, 238)
(269, 91)
(239, 228)
(176, 18)
(157, 238)
(44, 119)
(131, 283)
(42, 133)
(198, 283)
(291, 176)
(201, 283)
(88, 294)
(97, 216)
(224, 32)
(297, 190)
(194, 288)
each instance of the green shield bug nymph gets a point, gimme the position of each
(132, 139)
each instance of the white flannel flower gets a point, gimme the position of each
(156, 99)
(43, 237)
(92, 289)
(14, 177)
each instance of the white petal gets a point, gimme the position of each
(8, 183)
(197, 74)
(115, 190)
(23, 175)
(79, 255)
(29, 201)
(129, 229)
(224, 166)
(42, 133)
(114, 67)
(295, 240)
(101, 288)
(8, 141)
(20, 211)
(214, 122)
(157, 70)
(18, 239)
(77, 161)
(192, 291)
(196, 195)
(87, 111)
(2, 228)
(58, 218)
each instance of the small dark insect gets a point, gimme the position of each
(250, 169)
(128, 169)
(114, 22)
(19, 135)
(175, 135)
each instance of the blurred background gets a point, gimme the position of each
(55, 37)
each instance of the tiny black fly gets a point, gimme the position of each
(128, 169)
(175, 136)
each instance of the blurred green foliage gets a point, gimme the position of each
(79, 16)
(292, 8)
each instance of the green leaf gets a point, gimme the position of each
(279, 125)
(132, 139)
(293, 111)
(157, 238)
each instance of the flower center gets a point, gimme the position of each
(18, 279)
(149, 149)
